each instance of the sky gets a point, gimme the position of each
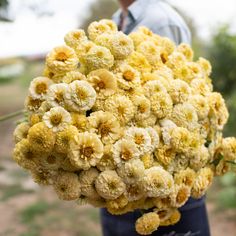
(30, 35)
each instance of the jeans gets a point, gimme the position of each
(193, 222)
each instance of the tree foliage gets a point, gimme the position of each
(3, 3)
(100, 9)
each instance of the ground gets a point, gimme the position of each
(31, 210)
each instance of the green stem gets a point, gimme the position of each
(11, 115)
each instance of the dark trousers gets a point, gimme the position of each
(193, 222)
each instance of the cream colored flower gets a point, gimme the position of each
(81, 96)
(201, 106)
(72, 76)
(86, 149)
(205, 66)
(87, 181)
(141, 138)
(200, 86)
(97, 57)
(80, 121)
(186, 50)
(21, 131)
(228, 148)
(39, 87)
(134, 192)
(103, 81)
(105, 125)
(179, 91)
(150, 121)
(143, 107)
(32, 104)
(154, 138)
(161, 104)
(147, 224)
(186, 177)
(109, 185)
(152, 87)
(124, 150)
(165, 155)
(181, 195)
(97, 28)
(74, 38)
(107, 161)
(62, 59)
(121, 107)
(56, 94)
(185, 115)
(67, 186)
(57, 119)
(131, 171)
(120, 45)
(128, 77)
(157, 182)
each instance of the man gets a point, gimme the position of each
(163, 20)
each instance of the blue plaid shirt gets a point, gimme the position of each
(158, 16)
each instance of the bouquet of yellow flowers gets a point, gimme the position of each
(125, 122)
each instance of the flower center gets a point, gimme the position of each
(29, 155)
(56, 119)
(61, 56)
(100, 54)
(41, 88)
(59, 97)
(128, 75)
(104, 129)
(121, 110)
(138, 139)
(51, 159)
(87, 152)
(141, 108)
(181, 196)
(126, 154)
(82, 94)
(101, 85)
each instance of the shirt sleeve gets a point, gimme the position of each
(175, 33)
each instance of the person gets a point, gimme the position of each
(158, 16)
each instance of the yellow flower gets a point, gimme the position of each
(57, 119)
(63, 139)
(34, 118)
(205, 66)
(24, 155)
(72, 76)
(97, 28)
(103, 81)
(109, 185)
(173, 219)
(139, 62)
(186, 177)
(21, 131)
(141, 138)
(56, 94)
(147, 224)
(229, 149)
(80, 121)
(117, 203)
(105, 125)
(74, 38)
(120, 45)
(186, 50)
(181, 195)
(86, 150)
(185, 115)
(97, 57)
(165, 155)
(124, 150)
(39, 87)
(157, 182)
(81, 96)
(41, 138)
(161, 104)
(147, 160)
(154, 138)
(142, 34)
(121, 107)
(201, 106)
(131, 171)
(43, 176)
(87, 181)
(218, 113)
(152, 87)
(106, 162)
(202, 182)
(134, 192)
(179, 91)
(150, 121)
(143, 107)
(128, 78)
(67, 186)
(61, 60)
(32, 104)
(200, 86)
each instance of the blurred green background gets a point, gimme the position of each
(29, 210)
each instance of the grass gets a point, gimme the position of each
(13, 191)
